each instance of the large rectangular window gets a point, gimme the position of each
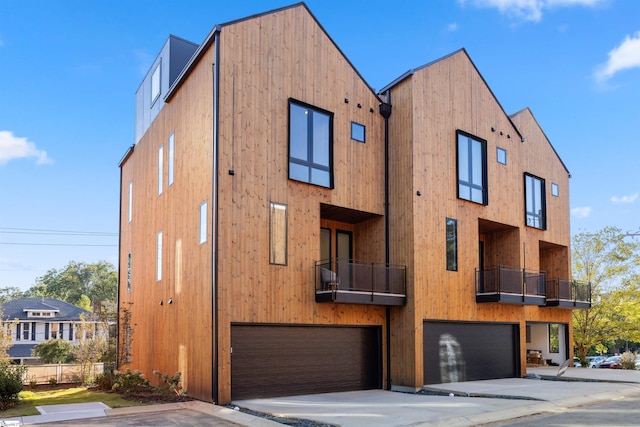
(452, 244)
(159, 257)
(277, 233)
(535, 201)
(310, 144)
(170, 165)
(203, 222)
(160, 168)
(472, 169)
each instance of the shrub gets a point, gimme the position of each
(10, 384)
(105, 381)
(628, 360)
(167, 384)
(130, 383)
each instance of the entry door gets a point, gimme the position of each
(344, 255)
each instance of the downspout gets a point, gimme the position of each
(214, 215)
(385, 111)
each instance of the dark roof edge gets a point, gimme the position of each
(463, 50)
(544, 134)
(126, 155)
(217, 29)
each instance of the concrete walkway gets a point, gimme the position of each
(455, 404)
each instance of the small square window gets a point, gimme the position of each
(501, 156)
(555, 190)
(357, 132)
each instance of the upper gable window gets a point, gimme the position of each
(357, 132)
(310, 144)
(155, 84)
(535, 201)
(501, 155)
(472, 168)
(555, 190)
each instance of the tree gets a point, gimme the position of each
(54, 351)
(92, 345)
(607, 261)
(6, 337)
(9, 293)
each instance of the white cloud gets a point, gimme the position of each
(12, 147)
(528, 10)
(452, 27)
(625, 199)
(582, 212)
(622, 57)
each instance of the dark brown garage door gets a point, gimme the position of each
(269, 361)
(459, 351)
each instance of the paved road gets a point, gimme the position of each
(180, 418)
(619, 412)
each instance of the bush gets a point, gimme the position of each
(105, 381)
(53, 382)
(130, 383)
(10, 384)
(167, 384)
(628, 360)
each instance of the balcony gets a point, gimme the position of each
(510, 285)
(359, 282)
(568, 294)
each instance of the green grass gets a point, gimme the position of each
(30, 399)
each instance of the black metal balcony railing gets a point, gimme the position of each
(511, 285)
(568, 293)
(360, 282)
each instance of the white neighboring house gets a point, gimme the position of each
(41, 319)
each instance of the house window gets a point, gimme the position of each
(472, 169)
(501, 155)
(130, 200)
(555, 190)
(554, 338)
(535, 201)
(54, 331)
(129, 272)
(26, 331)
(159, 257)
(277, 234)
(310, 144)
(452, 244)
(160, 168)
(170, 165)
(155, 84)
(357, 132)
(203, 222)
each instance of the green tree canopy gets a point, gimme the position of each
(54, 351)
(609, 261)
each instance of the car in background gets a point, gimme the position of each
(594, 361)
(612, 362)
(638, 361)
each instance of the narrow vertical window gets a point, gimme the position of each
(129, 272)
(160, 168)
(452, 244)
(155, 84)
(555, 190)
(159, 257)
(554, 338)
(535, 201)
(472, 169)
(277, 233)
(130, 214)
(203, 222)
(170, 165)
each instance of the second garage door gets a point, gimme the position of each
(460, 351)
(281, 360)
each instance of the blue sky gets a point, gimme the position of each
(69, 71)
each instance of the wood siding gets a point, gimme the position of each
(428, 108)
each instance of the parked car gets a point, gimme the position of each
(612, 362)
(594, 361)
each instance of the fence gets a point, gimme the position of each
(62, 373)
